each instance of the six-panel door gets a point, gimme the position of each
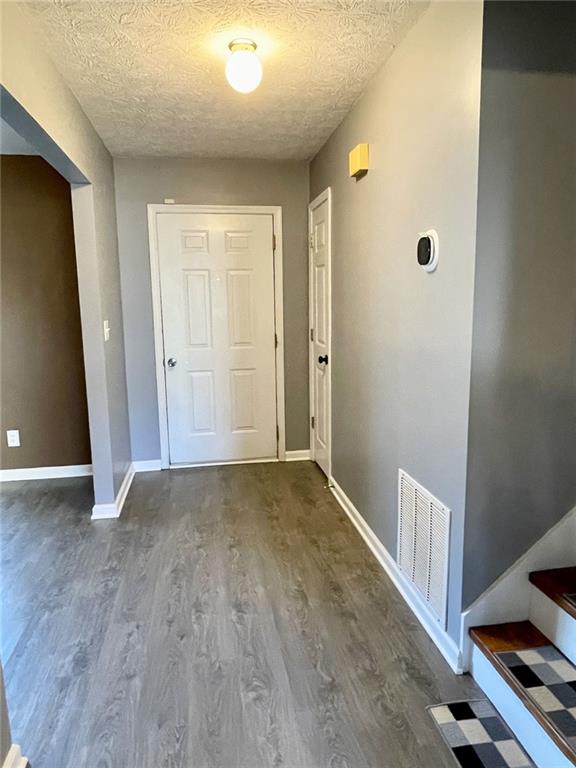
(320, 277)
(217, 294)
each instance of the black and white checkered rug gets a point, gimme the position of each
(477, 735)
(549, 678)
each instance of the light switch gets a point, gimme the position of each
(106, 330)
(13, 438)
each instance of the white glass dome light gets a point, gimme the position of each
(243, 68)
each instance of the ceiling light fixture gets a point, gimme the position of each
(243, 68)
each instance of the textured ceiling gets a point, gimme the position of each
(150, 75)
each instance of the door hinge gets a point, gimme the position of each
(273, 242)
(312, 421)
(277, 433)
(311, 240)
(276, 340)
(311, 334)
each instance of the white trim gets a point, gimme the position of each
(158, 336)
(271, 210)
(303, 455)
(271, 460)
(124, 488)
(14, 758)
(522, 723)
(441, 639)
(324, 196)
(105, 511)
(150, 465)
(45, 473)
(508, 598)
(279, 324)
(108, 511)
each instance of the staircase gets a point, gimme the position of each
(553, 607)
(528, 669)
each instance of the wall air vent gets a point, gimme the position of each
(423, 543)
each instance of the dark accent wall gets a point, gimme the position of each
(43, 392)
(522, 432)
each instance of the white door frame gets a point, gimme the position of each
(272, 210)
(324, 196)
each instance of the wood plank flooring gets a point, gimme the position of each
(231, 618)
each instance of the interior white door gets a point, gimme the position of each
(217, 296)
(320, 331)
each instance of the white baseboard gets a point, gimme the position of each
(441, 639)
(104, 511)
(303, 455)
(14, 758)
(553, 621)
(124, 488)
(151, 465)
(198, 465)
(508, 599)
(524, 725)
(114, 509)
(155, 465)
(45, 473)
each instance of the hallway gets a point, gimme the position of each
(231, 618)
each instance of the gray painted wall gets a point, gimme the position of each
(54, 114)
(5, 737)
(224, 182)
(402, 338)
(522, 435)
(11, 143)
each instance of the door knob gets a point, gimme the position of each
(171, 362)
(323, 359)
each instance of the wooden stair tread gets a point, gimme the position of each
(516, 636)
(556, 584)
(519, 636)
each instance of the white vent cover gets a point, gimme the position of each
(423, 543)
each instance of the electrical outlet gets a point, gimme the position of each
(13, 438)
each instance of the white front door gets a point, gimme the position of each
(320, 331)
(217, 296)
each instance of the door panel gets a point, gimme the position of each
(217, 294)
(240, 307)
(243, 400)
(320, 420)
(202, 417)
(197, 314)
(320, 299)
(319, 227)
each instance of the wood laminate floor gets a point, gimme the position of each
(231, 618)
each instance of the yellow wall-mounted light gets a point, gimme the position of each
(243, 68)
(358, 161)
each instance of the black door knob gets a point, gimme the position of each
(323, 359)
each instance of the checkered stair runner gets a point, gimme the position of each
(477, 735)
(549, 679)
